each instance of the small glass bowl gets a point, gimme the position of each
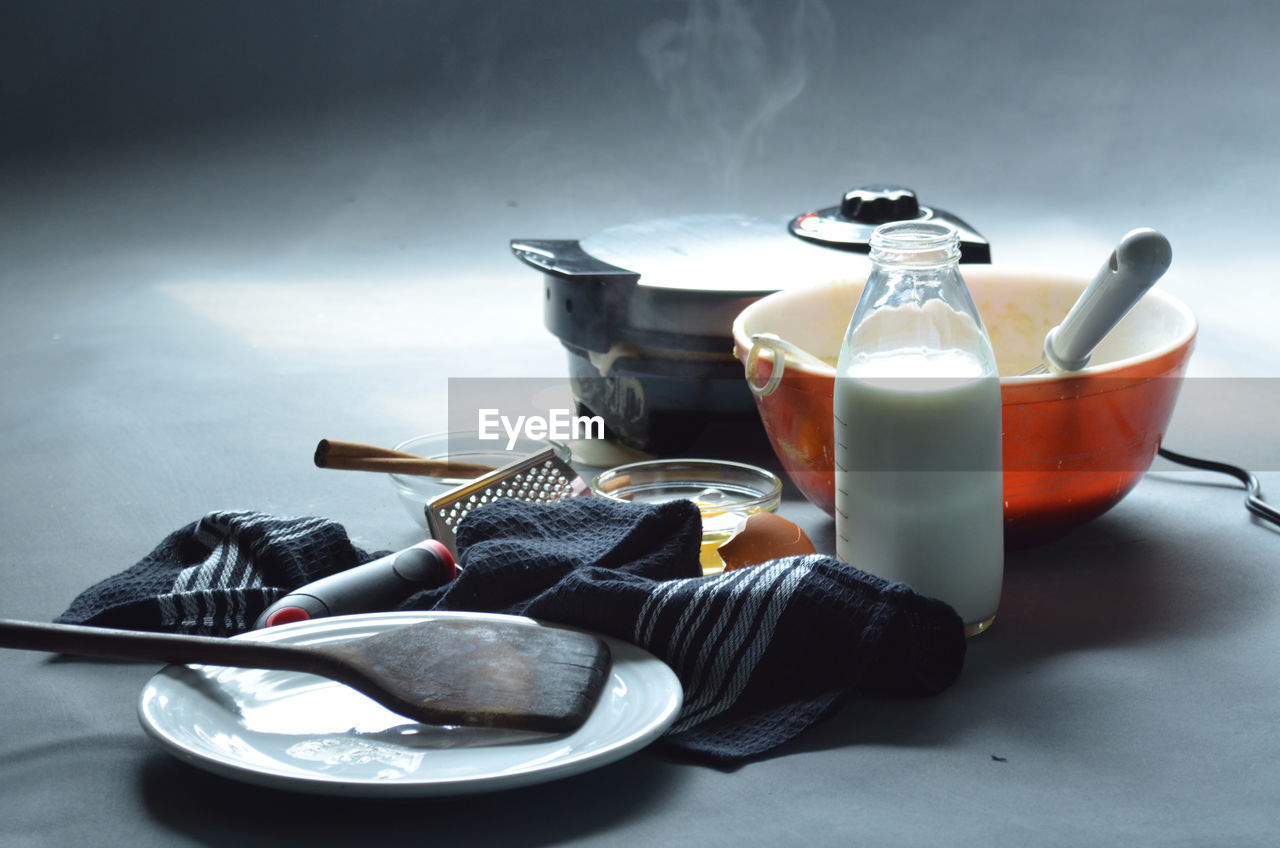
(725, 492)
(462, 446)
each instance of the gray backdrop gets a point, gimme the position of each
(229, 229)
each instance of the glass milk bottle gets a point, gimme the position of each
(919, 496)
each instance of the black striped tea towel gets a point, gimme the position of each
(763, 653)
(215, 576)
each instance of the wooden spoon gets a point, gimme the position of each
(471, 672)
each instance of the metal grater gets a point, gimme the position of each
(541, 478)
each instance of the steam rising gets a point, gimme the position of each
(729, 68)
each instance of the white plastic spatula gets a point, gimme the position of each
(1138, 261)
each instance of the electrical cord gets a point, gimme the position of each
(1253, 498)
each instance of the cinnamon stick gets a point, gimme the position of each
(333, 447)
(351, 456)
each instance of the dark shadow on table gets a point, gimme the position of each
(1130, 577)
(213, 810)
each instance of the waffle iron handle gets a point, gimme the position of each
(567, 259)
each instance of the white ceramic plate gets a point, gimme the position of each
(306, 733)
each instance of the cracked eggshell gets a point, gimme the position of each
(765, 536)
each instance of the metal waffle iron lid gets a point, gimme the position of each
(739, 253)
(678, 282)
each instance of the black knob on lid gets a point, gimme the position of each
(876, 204)
(849, 226)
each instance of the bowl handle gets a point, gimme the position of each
(781, 349)
(778, 348)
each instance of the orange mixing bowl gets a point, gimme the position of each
(1074, 445)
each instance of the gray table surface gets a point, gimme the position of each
(212, 255)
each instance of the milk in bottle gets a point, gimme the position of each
(919, 495)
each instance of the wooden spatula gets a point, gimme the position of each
(471, 672)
